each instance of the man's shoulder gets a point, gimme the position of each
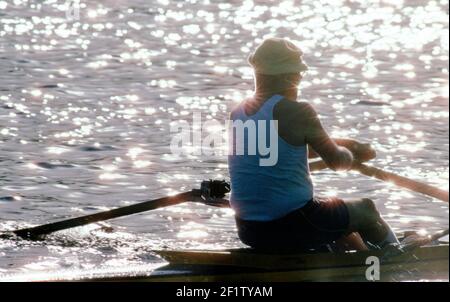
(237, 107)
(294, 108)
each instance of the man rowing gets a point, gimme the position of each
(275, 204)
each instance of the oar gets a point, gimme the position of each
(197, 195)
(317, 166)
(403, 247)
(402, 181)
(398, 180)
(35, 232)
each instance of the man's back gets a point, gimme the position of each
(266, 192)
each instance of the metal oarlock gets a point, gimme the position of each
(213, 191)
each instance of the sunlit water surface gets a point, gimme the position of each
(86, 107)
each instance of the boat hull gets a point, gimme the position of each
(423, 263)
(429, 262)
(196, 266)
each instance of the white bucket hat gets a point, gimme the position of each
(277, 56)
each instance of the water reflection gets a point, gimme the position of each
(86, 108)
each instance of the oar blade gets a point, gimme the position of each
(37, 232)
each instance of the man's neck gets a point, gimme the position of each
(290, 95)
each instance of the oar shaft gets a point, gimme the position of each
(115, 213)
(317, 166)
(402, 182)
(439, 235)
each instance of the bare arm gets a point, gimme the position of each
(361, 152)
(299, 125)
(344, 142)
(336, 157)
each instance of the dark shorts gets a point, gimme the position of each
(321, 221)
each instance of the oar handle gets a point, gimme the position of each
(34, 232)
(317, 166)
(401, 181)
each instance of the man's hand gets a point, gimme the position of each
(362, 152)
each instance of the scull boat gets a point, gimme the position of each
(249, 265)
(423, 262)
(245, 265)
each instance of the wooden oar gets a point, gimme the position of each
(35, 232)
(411, 245)
(317, 166)
(402, 181)
(195, 195)
(398, 180)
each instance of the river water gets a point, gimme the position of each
(86, 104)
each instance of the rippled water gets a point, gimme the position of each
(86, 106)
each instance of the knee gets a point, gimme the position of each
(369, 209)
(369, 205)
(363, 213)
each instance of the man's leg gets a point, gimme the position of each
(352, 241)
(367, 221)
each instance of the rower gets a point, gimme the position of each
(275, 204)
